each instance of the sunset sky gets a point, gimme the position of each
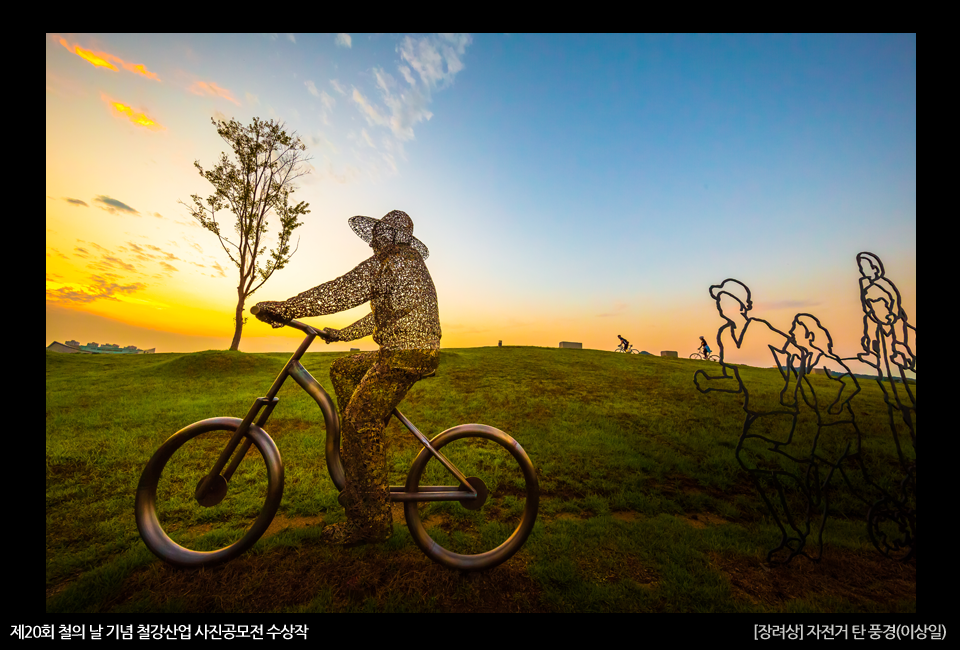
(569, 188)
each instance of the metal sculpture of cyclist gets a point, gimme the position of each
(405, 323)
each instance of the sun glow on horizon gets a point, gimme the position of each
(619, 226)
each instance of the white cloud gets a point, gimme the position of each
(427, 64)
(405, 108)
(344, 40)
(436, 60)
(429, 55)
(384, 81)
(369, 111)
(252, 99)
(405, 71)
(328, 104)
(311, 88)
(292, 39)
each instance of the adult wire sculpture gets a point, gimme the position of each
(405, 322)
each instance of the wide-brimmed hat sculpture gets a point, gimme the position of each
(397, 221)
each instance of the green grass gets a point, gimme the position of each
(643, 508)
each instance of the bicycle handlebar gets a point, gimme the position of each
(303, 327)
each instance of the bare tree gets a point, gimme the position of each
(261, 184)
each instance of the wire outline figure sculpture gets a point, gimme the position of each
(889, 343)
(887, 338)
(768, 429)
(836, 422)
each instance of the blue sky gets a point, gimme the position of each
(570, 187)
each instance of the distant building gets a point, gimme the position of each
(96, 348)
(56, 346)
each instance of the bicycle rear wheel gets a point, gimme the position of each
(486, 531)
(184, 532)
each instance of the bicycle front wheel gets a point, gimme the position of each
(484, 532)
(695, 355)
(190, 529)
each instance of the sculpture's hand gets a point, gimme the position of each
(329, 334)
(268, 313)
(903, 357)
(869, 359)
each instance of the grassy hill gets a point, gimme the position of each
(643, 508)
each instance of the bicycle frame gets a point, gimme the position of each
(262, 407)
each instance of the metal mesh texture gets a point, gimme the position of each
(400, 225)
(395, 281)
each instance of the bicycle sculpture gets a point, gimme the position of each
(208, 479)
(793, 470)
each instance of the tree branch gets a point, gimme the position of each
(260, 182)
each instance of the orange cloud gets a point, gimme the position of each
(140, 69)
(204, 88)
(89, 56)
(140, 119)
(102, 60)
(98, 288)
